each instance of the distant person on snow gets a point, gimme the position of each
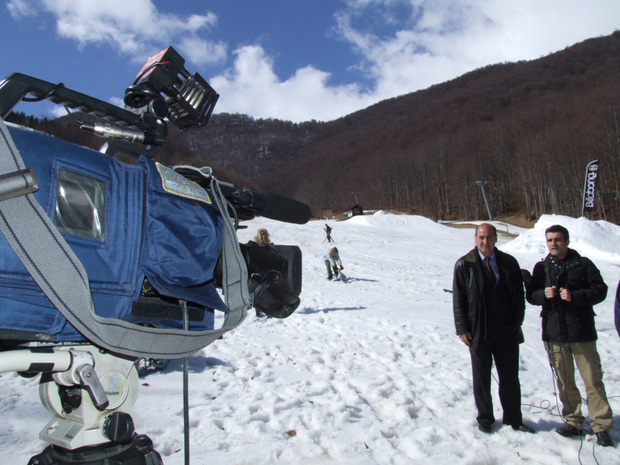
(567, 286)
(489, 306)
(333, 263)
(328, 232)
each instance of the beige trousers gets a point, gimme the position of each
(563, 358)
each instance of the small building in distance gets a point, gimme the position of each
(354, 210)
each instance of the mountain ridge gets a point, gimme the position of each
(522, 131)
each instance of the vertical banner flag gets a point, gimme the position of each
(589, 188)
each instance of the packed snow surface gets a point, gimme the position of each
(368, 371)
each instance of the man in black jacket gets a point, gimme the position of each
(489, 306)
(567, 286)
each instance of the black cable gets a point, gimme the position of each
(544, 406)
(594, 453)
(71, 115)
(185, 386)
(554, 380)
(548, 409)
(231, 209)
(555, 377)
(44, 97)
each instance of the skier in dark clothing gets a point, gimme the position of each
(328, 233)
(567, 286)
(489, 306)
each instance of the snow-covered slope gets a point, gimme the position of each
(365, 372)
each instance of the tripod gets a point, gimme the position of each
(91, 394)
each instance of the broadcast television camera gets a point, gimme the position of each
(103, 263)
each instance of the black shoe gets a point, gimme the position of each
(603, 439)
(487, 429)
(524, 428)
(568, 431)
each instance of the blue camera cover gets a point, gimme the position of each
(125, 223)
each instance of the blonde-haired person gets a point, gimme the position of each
(261, 256)
(262, 237)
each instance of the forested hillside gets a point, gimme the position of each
(525, 131)
(528, 128)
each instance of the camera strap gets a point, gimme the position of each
(62, 277)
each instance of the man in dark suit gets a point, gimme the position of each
(489, 306)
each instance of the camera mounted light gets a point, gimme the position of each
(189, 98)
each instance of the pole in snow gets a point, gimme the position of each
(483, 182)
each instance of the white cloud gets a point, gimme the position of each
(252, 87)
(129, 26)
(443, 39)
(19, 8)
(438, 41)
(401, 45)
(202, 52)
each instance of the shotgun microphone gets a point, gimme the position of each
(273, 206)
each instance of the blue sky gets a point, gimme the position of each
(296, 60)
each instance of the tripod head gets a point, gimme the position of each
(90, 394)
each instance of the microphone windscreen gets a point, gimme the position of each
(285, 209)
